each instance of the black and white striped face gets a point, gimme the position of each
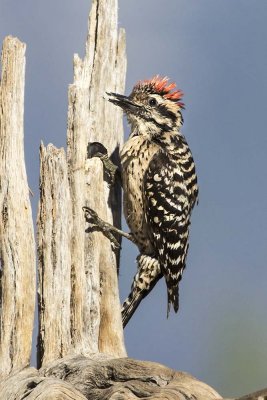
(154, 115)
(149, 114)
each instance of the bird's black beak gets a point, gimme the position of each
(124, 102)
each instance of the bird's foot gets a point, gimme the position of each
(96, 149)
(107, 229)
(92, 218)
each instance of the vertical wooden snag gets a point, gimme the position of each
(92, 118)
(54, 245)
(17, 248)
(80, 260)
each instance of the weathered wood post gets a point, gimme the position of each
(54, 256)
(78, 269)
(17, 247)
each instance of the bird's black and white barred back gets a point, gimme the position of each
(159, 187)
(168, 212)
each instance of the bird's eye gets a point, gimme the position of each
(152, 102)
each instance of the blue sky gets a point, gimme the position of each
(216, 52)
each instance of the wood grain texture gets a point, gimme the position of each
(54, 228)
(77, 267)
(100, 377)
(17, 247)
(92, 118)
(29, 384)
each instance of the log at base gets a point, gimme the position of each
(100, 376)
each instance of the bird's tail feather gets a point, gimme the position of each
(145, 279)
(173, 299)
(129, 306)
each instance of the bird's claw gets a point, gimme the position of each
(92, 217)
(96, 149)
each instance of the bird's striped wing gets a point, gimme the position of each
(167, 212)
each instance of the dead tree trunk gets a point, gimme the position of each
(54, 254)
(81, 352)
(17, 248)
(89, 320)
(91, 118)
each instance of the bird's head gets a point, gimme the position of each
(153, 106)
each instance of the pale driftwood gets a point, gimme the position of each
(17, 248)
(54, 258)
(30, 384)
(77, 267)
(92, 118)
(103, 378)
(100, 377)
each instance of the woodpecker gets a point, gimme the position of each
(159, 188)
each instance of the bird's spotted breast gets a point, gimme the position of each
(136, 155)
